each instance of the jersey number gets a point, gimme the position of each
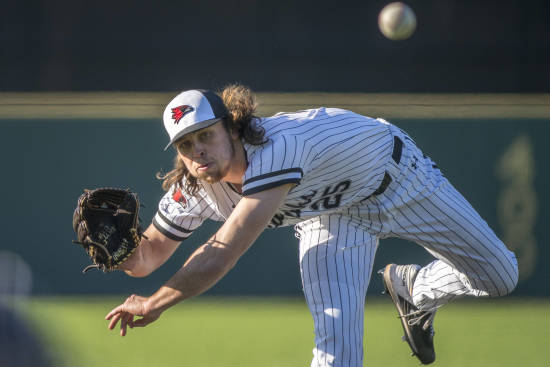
(330, 199)
(331, 196)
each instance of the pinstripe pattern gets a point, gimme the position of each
(424, 207)
(338, 160)
(336, 263)
(177, 221)
(419, 205)
(335, 157)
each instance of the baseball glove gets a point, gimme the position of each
(106, 223)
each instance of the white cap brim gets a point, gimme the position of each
(192, 128)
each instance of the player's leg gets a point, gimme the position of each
(424, 207)
(472, 260)
(336, 261)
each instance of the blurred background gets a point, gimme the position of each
(83, 85)
(321, 45)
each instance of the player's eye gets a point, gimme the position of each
(184, 146)
(205, 135)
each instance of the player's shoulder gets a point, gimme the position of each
(310, 113)
(304, 121)
(289, 119)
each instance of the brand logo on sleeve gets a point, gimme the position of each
(178, 197)
(180, 111)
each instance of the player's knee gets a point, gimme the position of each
(508, 278)
(505, 287)
(512, 284)
(513, 275)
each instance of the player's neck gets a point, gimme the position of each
(238, 167)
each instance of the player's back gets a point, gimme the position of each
(325, 128)
(336, 152)
(335, 135)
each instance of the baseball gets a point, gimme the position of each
(397, 21)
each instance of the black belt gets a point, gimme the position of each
(396, 156)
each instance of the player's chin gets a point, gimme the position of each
(210, 178)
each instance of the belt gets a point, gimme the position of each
(396, 156)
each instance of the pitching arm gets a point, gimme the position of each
(209, 263)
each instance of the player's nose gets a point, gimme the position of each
(199, 149)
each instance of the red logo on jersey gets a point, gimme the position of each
(180, 111)
(178, 197)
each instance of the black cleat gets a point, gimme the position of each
(417, 324)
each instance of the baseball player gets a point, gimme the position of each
(344, 181)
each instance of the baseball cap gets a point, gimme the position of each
(190, 111)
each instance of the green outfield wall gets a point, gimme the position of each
(499, 163)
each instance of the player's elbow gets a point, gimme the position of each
(138, 273)
(136, 266)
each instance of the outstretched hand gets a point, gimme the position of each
(133, 306)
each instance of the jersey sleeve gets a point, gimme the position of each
(179, 214)
(280, 161)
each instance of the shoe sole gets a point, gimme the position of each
(395, 298)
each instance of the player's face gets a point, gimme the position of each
(207, 153)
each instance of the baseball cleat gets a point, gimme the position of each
(417, 324)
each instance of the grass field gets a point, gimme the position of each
(210, 331)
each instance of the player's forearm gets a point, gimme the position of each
(141, 263)
(204, 268)
(152, 252)
(210, 262)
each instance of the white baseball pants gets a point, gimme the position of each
(419, 204)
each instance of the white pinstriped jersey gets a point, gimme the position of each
(336, 158)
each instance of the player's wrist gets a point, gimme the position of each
(162, 299)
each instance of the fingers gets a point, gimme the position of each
(116, 314)
(114, 311)
(125, 313)
(114, 320)
(123, 325)
(124, 321)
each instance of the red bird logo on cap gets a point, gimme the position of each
(180, 111)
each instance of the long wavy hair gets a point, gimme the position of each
(241, 105)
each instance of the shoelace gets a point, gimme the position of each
(417, 316)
